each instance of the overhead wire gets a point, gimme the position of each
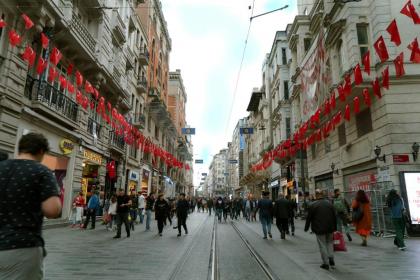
(240, 70)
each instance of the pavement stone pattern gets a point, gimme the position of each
(93, 254)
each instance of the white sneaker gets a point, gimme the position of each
(402, 248)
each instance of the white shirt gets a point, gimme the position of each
(142, 202)
(113, 208)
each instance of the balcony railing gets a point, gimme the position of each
(141, 84)
(118, 26)
(51, 97)
(94, 127)
(144, 56)
(139, 120)
(116, 141)
(80, 29)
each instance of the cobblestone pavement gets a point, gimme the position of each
(93, 254)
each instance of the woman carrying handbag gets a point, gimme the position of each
(362, 217)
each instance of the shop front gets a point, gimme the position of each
(133, 181)
(155, 181)
(325, 184)
(283, 185)
(145, 181)
(90, 175)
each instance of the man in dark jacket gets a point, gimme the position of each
(210, 204)
(322, 219)
(265, 208)
(281, 212)
(161, 212)
(292, 213)
(182, 208)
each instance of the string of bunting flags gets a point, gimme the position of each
(300, 140)
(86, 95)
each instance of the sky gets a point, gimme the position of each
(208, 38)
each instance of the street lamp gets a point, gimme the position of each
(377, 151)
(266, 13)
(333, 169)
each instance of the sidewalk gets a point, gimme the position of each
(380, 260)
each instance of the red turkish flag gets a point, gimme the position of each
(410, 11)
(52, 74)
(385, 78)
(14, 38)
(70, 69)
(399, 65)
(28, 21)
(415, 51)
(358, 78)
(55, 56)
(42, 65)
(347, 113)
(79, 79)
(327, 107)
(2, 23)
(393, 31)
(92, 105)
(29, 56)
(95, 93)
(63, 82)
(381, 49)
(70, 87)
(366, 97)
(337, 118)
(347, 85)
(332, 100)
(356, 105)
(377, 88)
(44, 41)
(341, 93)
(366, 62)
(88, 87)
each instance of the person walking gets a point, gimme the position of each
(141, 205)
(292, 214)
(362, 217)
(29, 192)
(342, 209)
(247, 208)
(112, 211)
(265, 209)
(161, 212)
(281, 212)
(133, 209)
(322, 220)
(92, 207)
(254, 208)
(123, 207)
(220, 205)
(150, 201)
(182, 208)
(396, 203)
(78, 205)
(210, 205)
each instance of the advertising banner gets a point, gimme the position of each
(412, 187)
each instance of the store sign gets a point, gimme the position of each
(412, 186)
(66, 146)
(274, 183)
(246, 130)
(94, 157)
(233, 161)
(134, 176)
(383, 174)
(199, 161)
(400, 158)
(188, 131)
(361, 181)
(203, 174)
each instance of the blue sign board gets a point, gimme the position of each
(246, 130)
(188, 131)
(226, 174)
(233, 161)
(199, 161)
(203, 174)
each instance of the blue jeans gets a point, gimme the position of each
(266, 225)
(148, 218)
(141, 215)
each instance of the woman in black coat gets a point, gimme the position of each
(161, 212)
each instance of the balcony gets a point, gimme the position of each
(139, 121)
(94, 127)
(129, 54)
(144, 57)
(116, 142)
(118, 26)
(141, 85)
(51, 101)
(80, 31)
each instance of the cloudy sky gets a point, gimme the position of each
(208, 37)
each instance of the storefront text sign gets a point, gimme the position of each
(412, 186)
(66, 146)
(361, 181)
(400, 158)
(94, 157)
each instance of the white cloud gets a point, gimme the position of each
(214, 52)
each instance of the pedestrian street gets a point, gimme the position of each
(93, 254)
